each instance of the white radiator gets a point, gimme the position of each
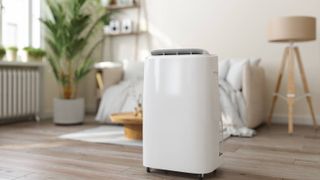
(19, 92)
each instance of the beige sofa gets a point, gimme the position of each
(253, 89)
(254, 92)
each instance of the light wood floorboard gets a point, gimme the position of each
(32, 150)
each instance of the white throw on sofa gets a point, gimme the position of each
(242, 92)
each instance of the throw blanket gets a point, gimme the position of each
(123, 98)
(119, 98)
(233, 111)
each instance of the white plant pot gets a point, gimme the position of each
(12, 55)
(68, 111)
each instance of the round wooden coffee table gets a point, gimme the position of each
(132, 124)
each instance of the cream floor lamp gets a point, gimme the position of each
(291, 30)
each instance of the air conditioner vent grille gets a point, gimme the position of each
(170, 52)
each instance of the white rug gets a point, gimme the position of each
(103, 134)
(108, 134)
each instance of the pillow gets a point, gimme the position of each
(234, 77)
(133, 70)
(223, 66)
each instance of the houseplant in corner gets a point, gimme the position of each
(69, 32)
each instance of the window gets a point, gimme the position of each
(20, 23)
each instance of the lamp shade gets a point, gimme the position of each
(292, 29)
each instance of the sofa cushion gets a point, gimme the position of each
(234, 76)
(111, 76)
(133, 70)
(235, 70)
(254, 93)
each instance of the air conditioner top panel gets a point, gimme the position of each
(167, 52)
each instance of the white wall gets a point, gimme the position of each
(235, 28)
(229, 28)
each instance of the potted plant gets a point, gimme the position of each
(12, 53)
(68, 33)
(2, 53)
(33, 54)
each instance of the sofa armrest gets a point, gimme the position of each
(110, 74)
(254, 92)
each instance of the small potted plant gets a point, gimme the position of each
(33, 54)
(2, 53)
(12, 53)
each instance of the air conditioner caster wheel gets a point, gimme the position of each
(201, 176)
(148, 170)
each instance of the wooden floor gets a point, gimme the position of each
(33, 151)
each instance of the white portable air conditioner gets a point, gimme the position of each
(182, 129)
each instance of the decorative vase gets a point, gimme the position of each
(68, 111)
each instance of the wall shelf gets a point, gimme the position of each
(125, 34)
(120, 7)
(136, 17)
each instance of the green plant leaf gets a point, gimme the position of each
(69, 31)
(83, 69)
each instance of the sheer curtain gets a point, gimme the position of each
(20, 23)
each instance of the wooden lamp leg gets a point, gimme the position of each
(289, 56)
(291, 90)
(277, 88)
(305, 86)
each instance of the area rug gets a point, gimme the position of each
(103, 134)
(108, 134)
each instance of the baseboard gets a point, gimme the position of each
(298, 119)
